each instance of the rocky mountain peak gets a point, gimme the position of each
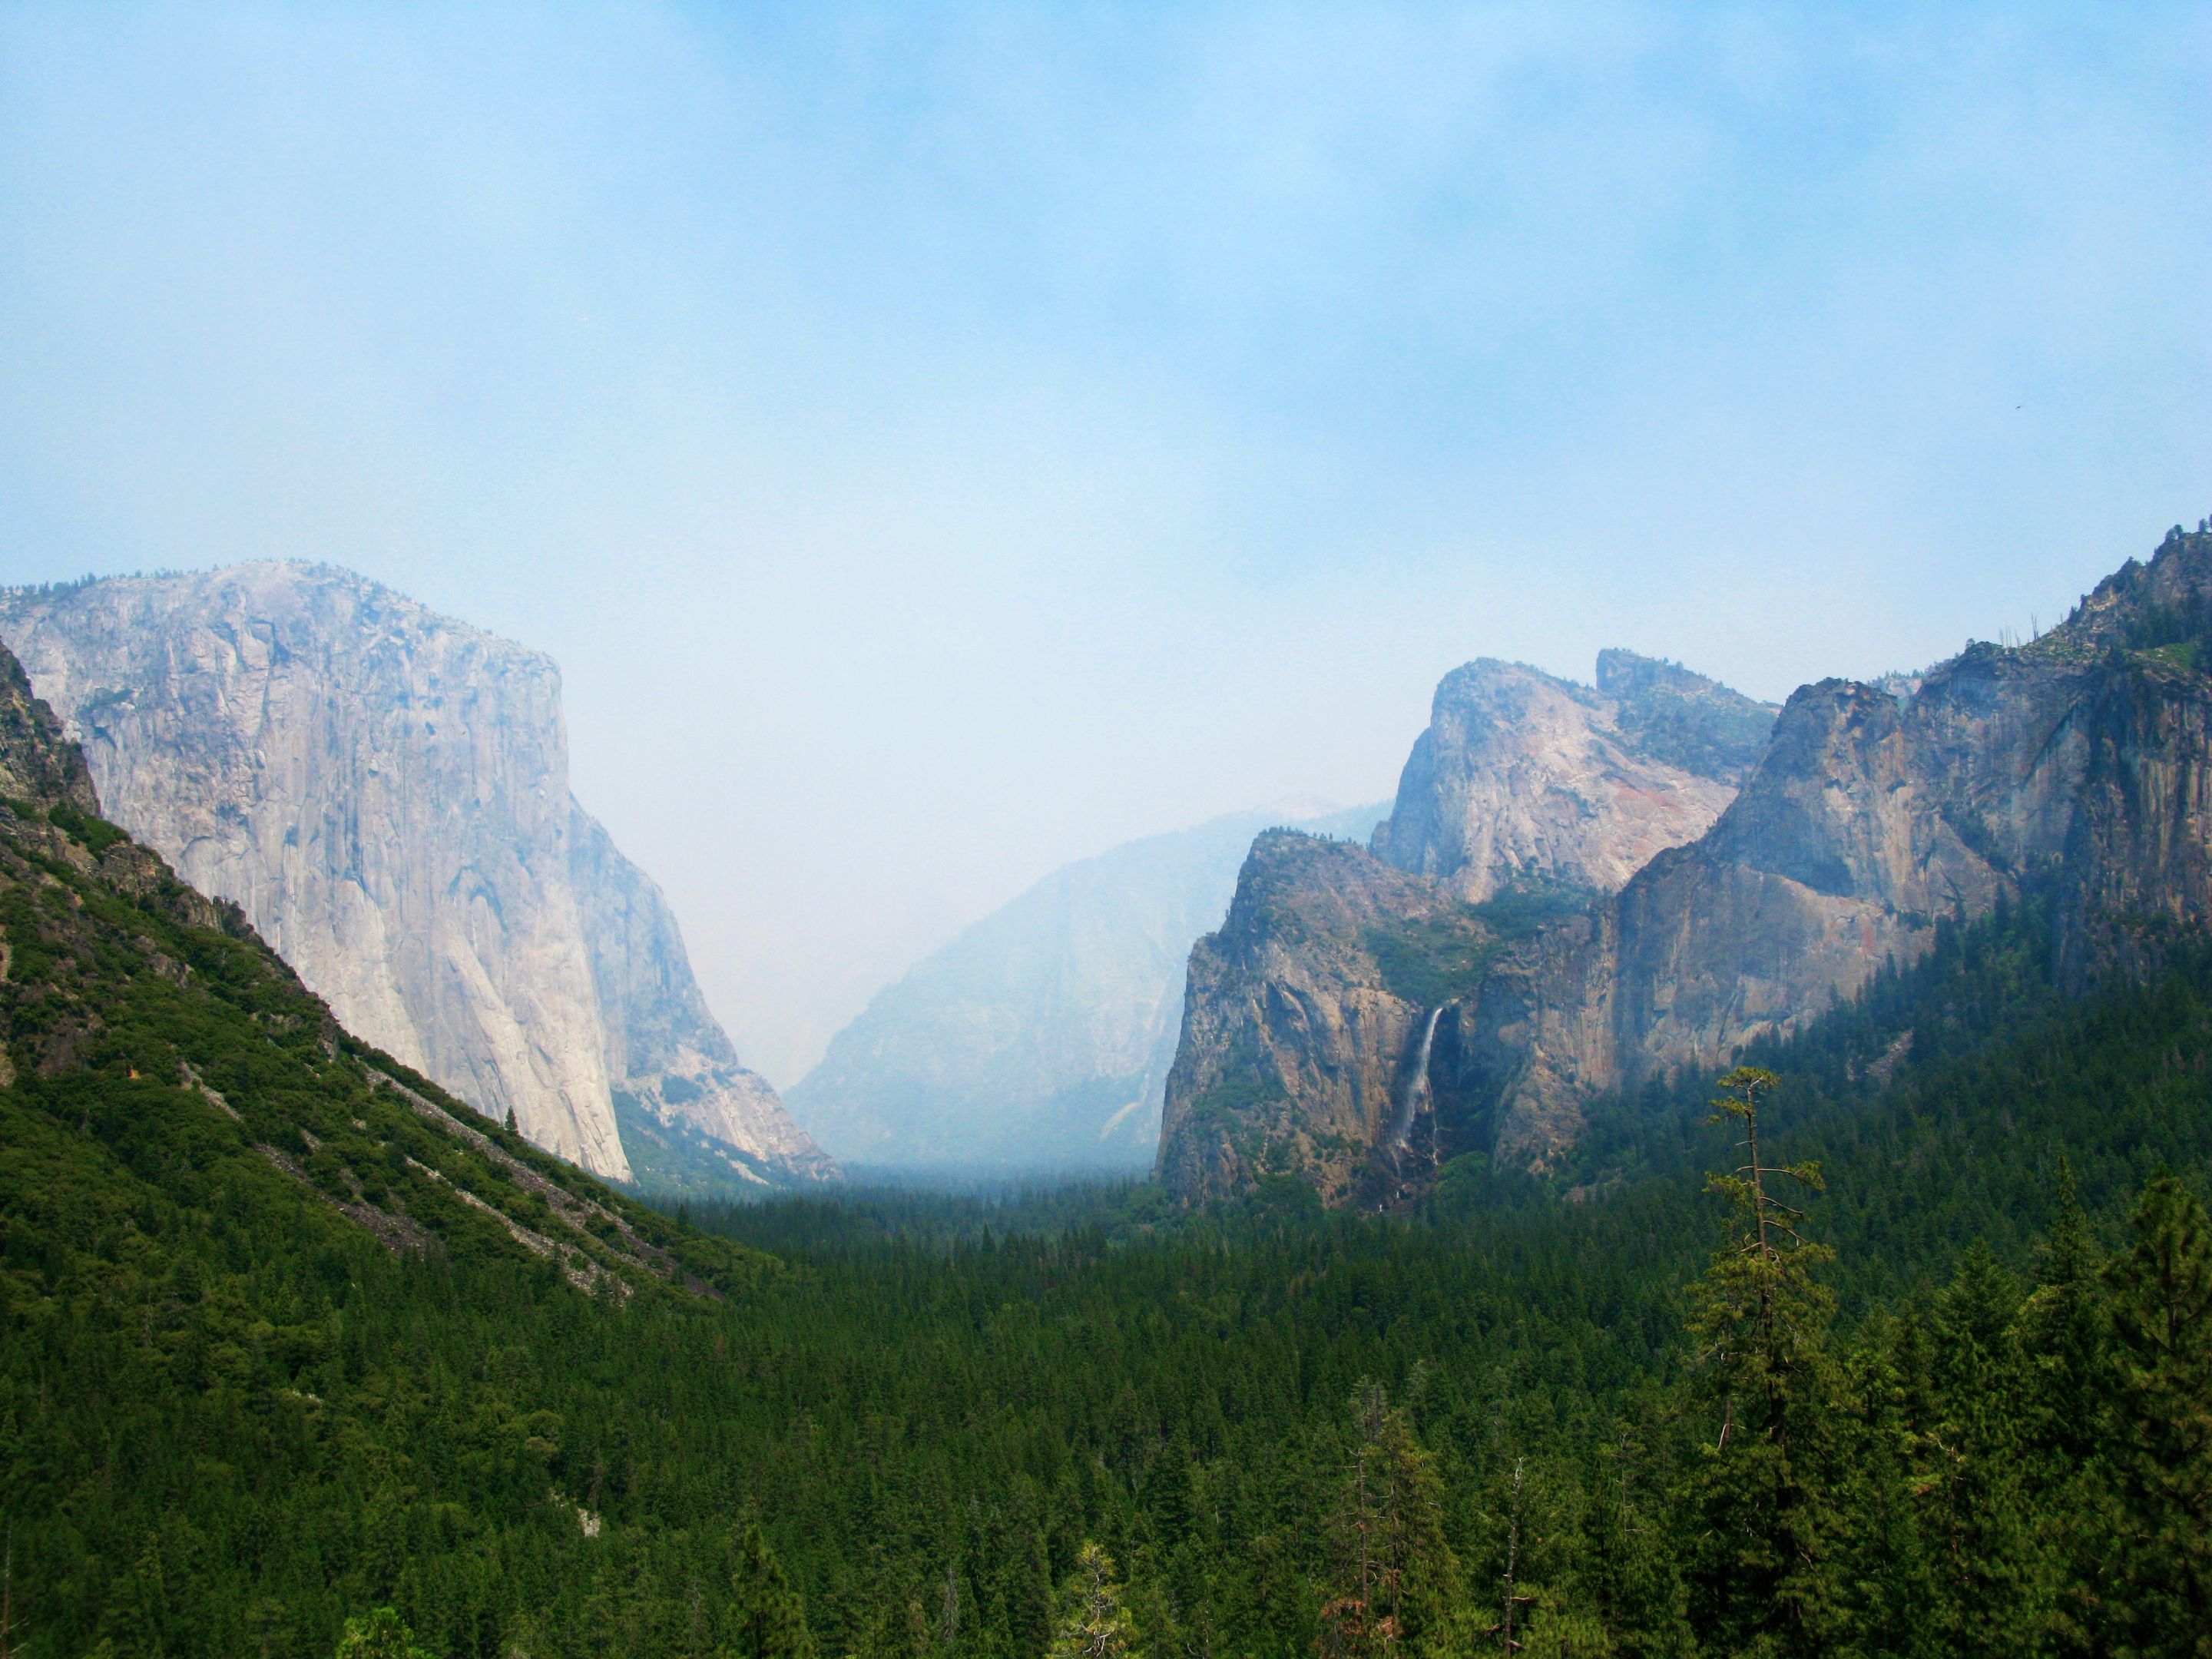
(1526, 780)
(1300, 1013)
(2163, 605)
(1671, 716)
(2076, 768)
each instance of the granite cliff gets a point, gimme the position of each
(2076, 769)
(127, 997)
(1041, 1038)
(1523, 780)
(1303, 1015)
(384, 794)
(687, 1106)
(1527, 799)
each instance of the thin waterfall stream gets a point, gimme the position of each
(1416, 1086)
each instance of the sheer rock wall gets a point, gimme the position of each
(384, 791)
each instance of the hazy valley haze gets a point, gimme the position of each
(937, 444)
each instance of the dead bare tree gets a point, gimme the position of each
(1514, 1600)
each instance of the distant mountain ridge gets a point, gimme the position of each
(384, 791)
(2076, 769)
(1041, 1037)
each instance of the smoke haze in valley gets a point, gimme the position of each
(941, 443)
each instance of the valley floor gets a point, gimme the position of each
(917, 1423)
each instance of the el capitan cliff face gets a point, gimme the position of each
(384, 791)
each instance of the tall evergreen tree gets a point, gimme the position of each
(1029, 1611)
(2063, 1329)
(2065, 1337)
(767, 1619)
(1396, 1576)
(1892, 1563)
(1995, 1583)
(1763, 1580)
(1628, 1572)
(2162, 1442)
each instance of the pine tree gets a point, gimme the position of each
(1029, 1611)
(2063, 1329)
(768, 1620)
(1762, 1579)
(1395, 1574)
(2162, 1440)
(1513, 1601)
(1626, 1567)
(1995, 1583)
(379, 1635)
(1094, 1623)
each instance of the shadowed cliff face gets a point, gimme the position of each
(1526, 799)
(1300, 1014)
(2078, 768)
(671, 1064)
(1041, 1037)
(384, 792)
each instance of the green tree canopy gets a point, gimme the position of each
(2162, 1319)
(768, 1619)
(379, 1635)
(1093, 1621)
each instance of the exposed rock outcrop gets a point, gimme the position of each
(669, 1058)
(384, 792)
(2077, 767)
(1041, 1038)
(1525, 780)
(1526, 798)
(1299, 1018)
(40, 767)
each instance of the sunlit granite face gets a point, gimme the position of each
(384, 791)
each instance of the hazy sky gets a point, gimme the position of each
(939, 443)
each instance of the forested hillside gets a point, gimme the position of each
(277, 1314)
(1978, 1428)
(384, 792)
(287, 1337)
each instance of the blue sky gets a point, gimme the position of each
(940, 442)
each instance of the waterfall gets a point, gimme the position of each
(1416, 1086)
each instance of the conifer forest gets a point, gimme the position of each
(1928, 1372)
